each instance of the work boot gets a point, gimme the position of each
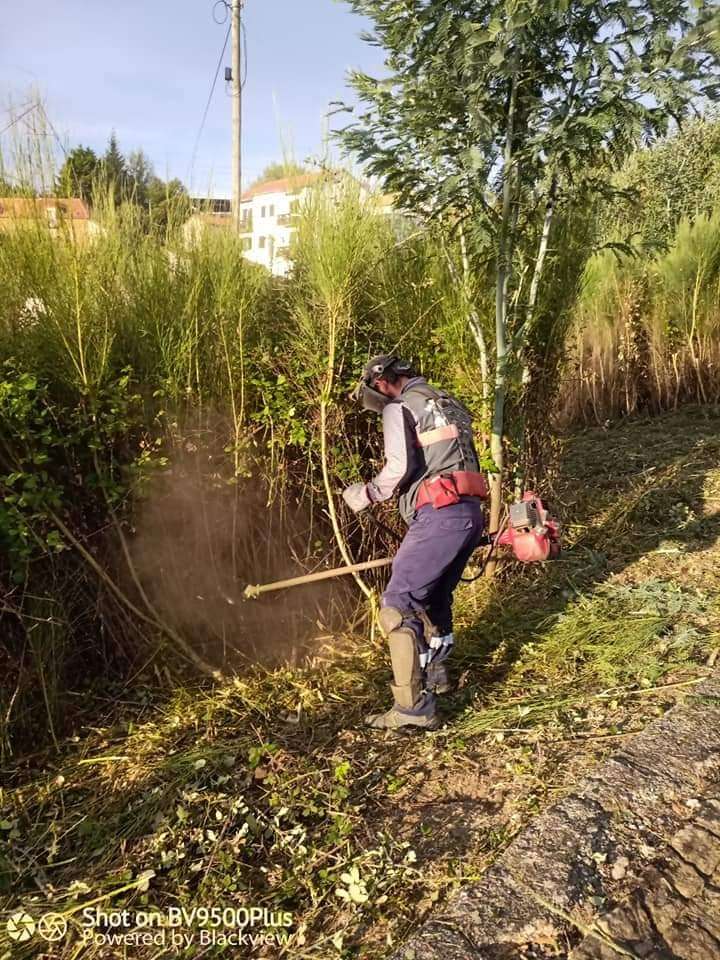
(395, 719)
(437, 677)
(412, 705)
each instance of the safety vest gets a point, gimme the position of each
(443, 438)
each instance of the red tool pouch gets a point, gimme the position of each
(449, 487)
(441, 491)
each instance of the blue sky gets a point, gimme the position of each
(144, 68)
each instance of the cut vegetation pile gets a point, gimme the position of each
(267, 792)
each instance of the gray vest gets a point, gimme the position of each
(443, 438)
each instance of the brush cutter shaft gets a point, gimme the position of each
(255, 590)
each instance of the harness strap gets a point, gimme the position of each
(449, 432)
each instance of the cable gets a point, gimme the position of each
(245, 55)
(19, 118)
(226, 7)
(48, 121)
(491, 540)
(228, 92)
(207, 105)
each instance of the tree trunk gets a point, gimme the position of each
(504, 261)
(473, 321)
(477, 332)
(532, 441)
(538, 272)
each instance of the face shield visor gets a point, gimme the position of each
(366, 392)
(370, 398)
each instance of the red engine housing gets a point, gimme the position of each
(532, 533)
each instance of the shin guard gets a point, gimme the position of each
(407, 672)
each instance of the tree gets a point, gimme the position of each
(675, 178)
(78, 174)
(495, 112)
(168, 204)
(140, 174)
(113, 171)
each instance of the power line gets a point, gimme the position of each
(228, 92)
(207, 105)
(52, 128)
(19, 118)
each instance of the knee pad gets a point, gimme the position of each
(407, 672)
(390, 619)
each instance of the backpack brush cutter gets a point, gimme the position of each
(530, 531)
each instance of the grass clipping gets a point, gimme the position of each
(267, 791)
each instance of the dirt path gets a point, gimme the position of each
(626, 866)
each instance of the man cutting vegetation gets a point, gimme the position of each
(432, 466)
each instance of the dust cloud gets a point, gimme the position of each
(199, 540)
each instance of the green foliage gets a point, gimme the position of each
(586, 77)
(495, 114)
(674, 179)
(278, 171)
(27, 489)
(115, 183)
(78, 174)
(55, 455)
(140, 175)
(113, 171)
(168, 205)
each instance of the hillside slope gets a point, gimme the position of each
(267, 792)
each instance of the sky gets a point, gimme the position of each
(144, 69)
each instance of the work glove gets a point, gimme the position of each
(356, 497)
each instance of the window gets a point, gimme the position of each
(272, 209)
(245, 215)
(261, 241)
(247, 243)
(262, 211)
(294, 206)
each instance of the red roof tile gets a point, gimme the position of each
(284, 185)
(28, 207)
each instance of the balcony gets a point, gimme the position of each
(288, 219)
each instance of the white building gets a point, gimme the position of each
(269, 213)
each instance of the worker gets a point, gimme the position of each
(432, 466)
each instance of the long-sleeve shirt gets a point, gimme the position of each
(401, 459)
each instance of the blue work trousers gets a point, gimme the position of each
(430, 562)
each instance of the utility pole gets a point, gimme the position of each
(235, 13)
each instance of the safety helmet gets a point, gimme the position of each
(376, 368)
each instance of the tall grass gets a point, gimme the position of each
(126, 349)
(646, 332)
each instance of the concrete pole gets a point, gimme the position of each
(235, 13)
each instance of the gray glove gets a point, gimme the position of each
(356, 497)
